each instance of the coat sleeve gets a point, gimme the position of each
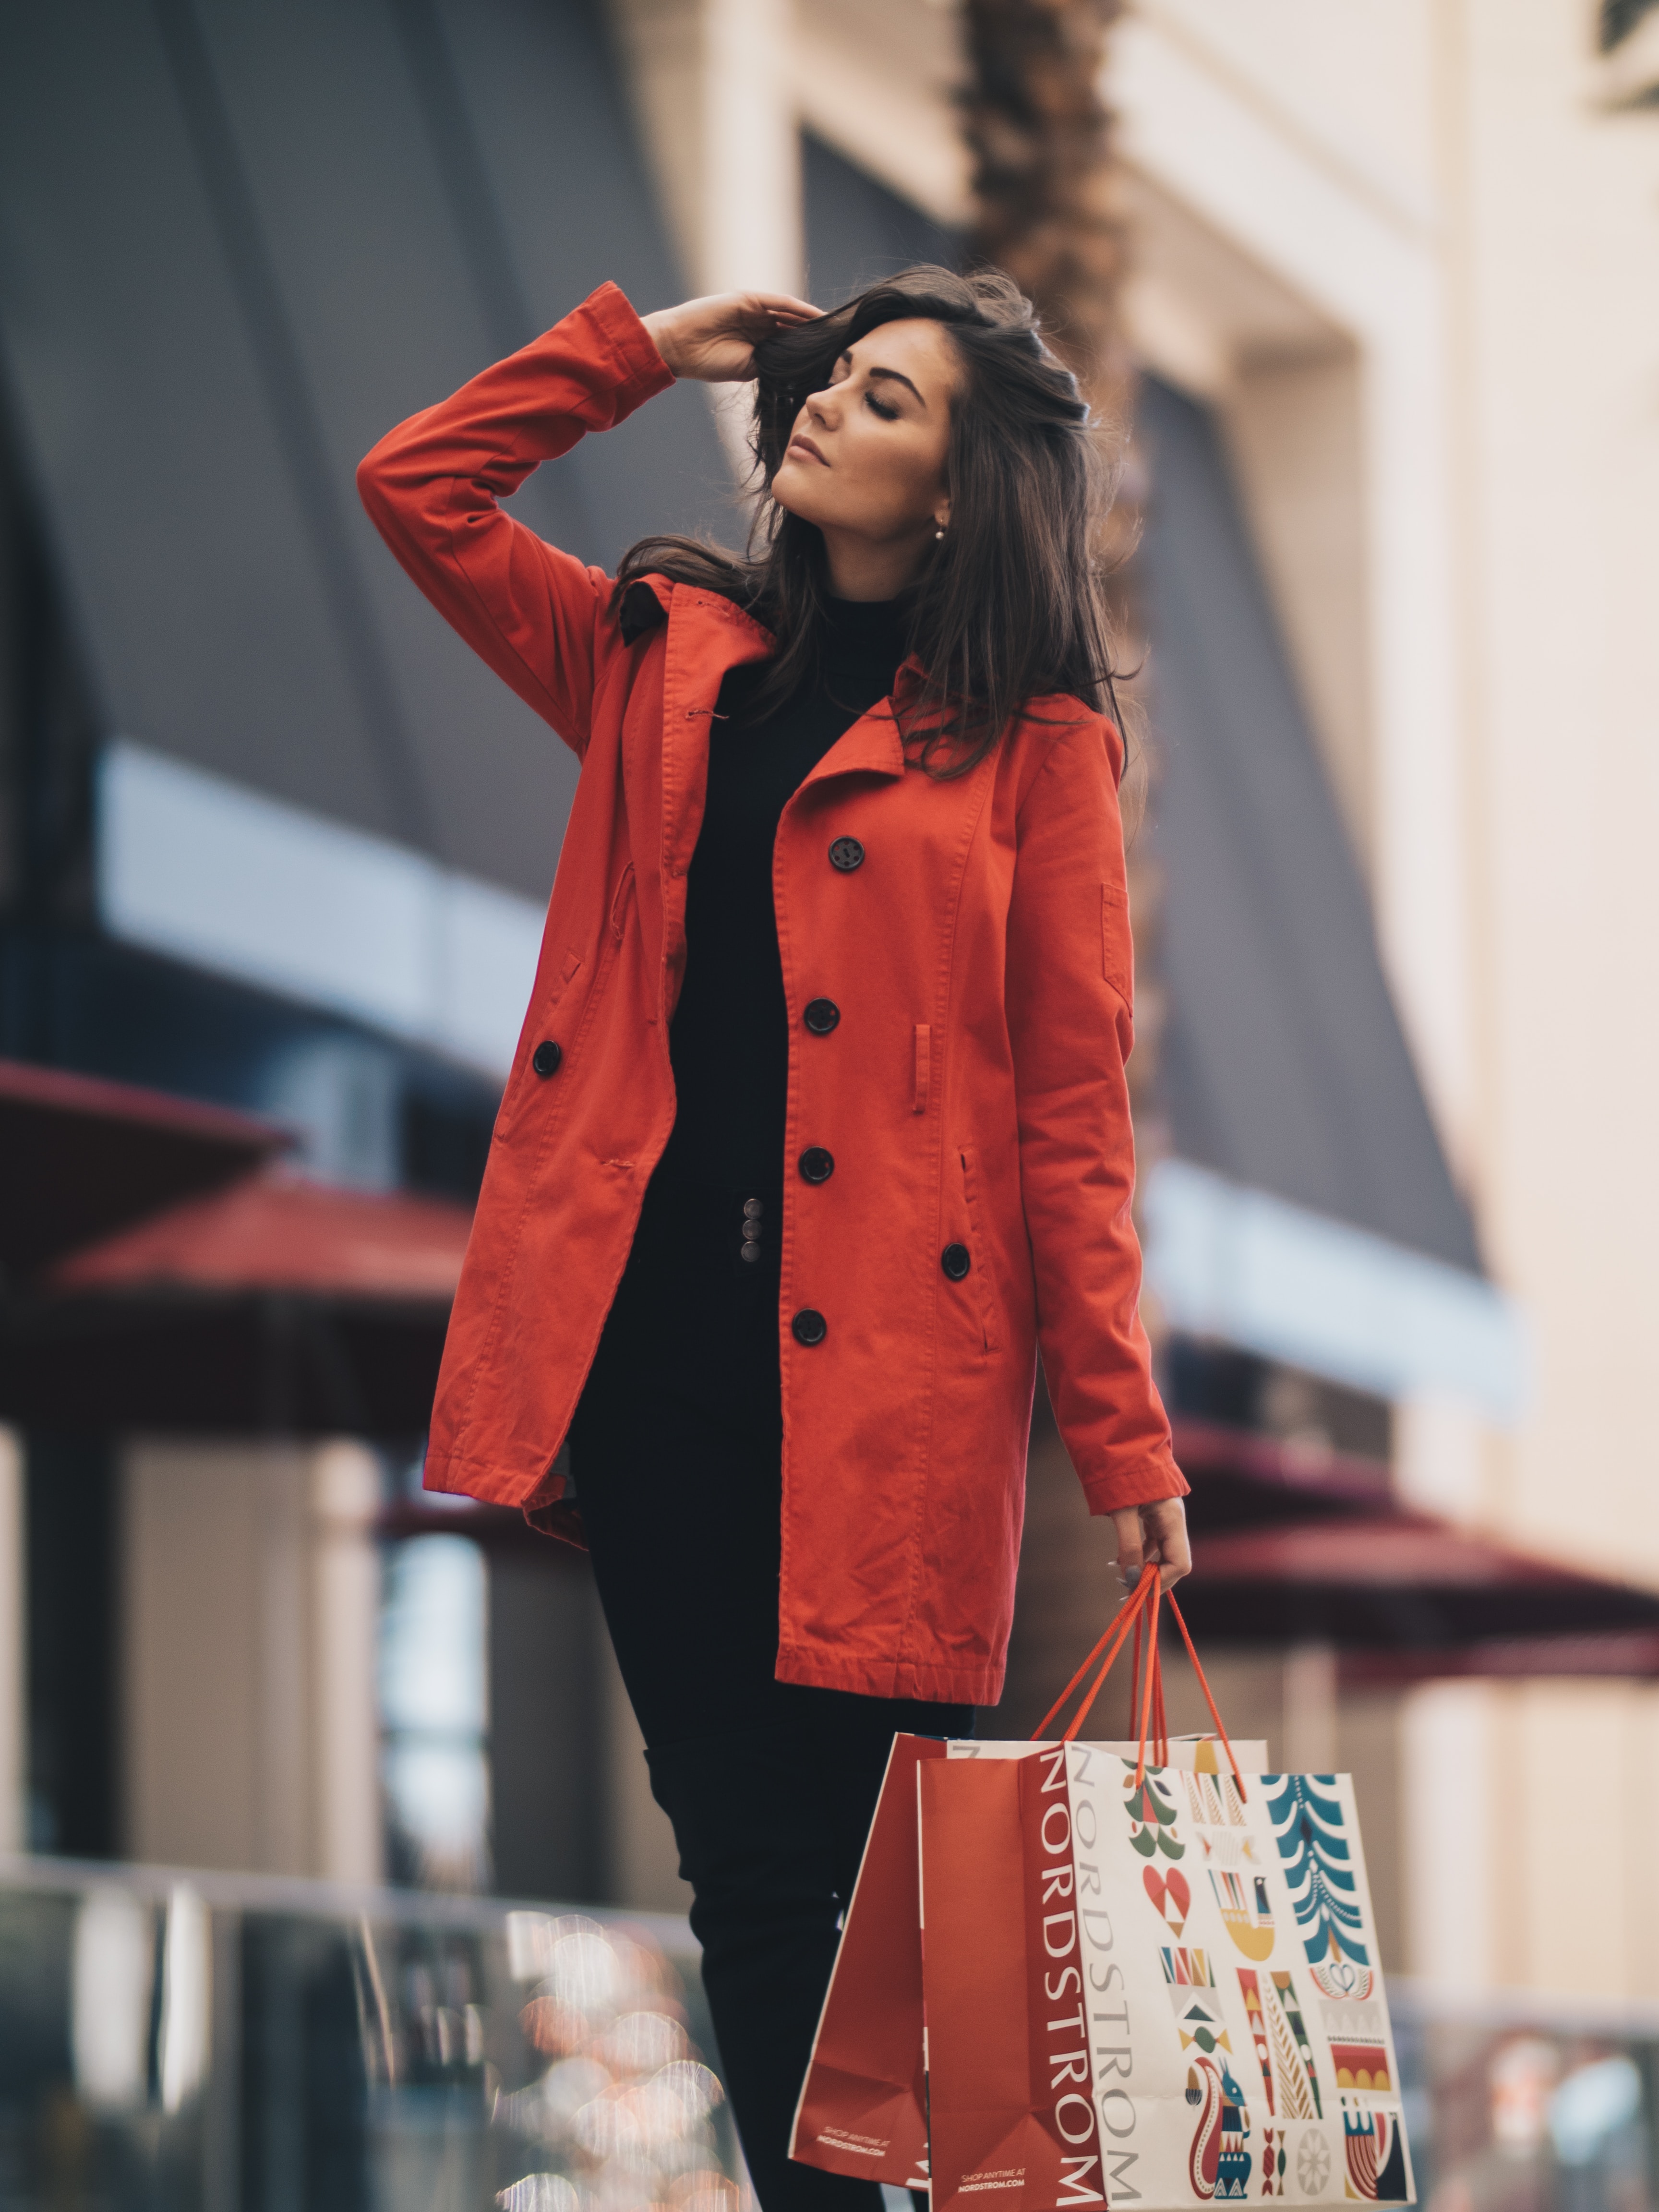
(1069, 1000)
(434, 484)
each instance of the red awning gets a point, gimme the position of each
(1413, 1586)
(83, 1157)
(1240, 1478)
(1400, 1550)
(284, 1232)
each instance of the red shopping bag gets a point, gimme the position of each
(1012, 2104)
(1011, 2112)
(863, 2107)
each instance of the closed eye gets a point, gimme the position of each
(878, 407)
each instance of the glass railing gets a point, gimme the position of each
(209, 2042)
(1516, 2102)
(213, 2043)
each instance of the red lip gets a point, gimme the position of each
(805, 445)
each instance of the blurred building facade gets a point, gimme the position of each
(269, 840)
(274, 839)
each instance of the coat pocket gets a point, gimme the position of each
(1117, 951)
(924, 1067)
(610, 945)
(620, 904)
(615, 928)
(979, 1272)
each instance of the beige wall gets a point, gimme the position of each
(247, 1681)
(1553, 220)
(1528, 1836)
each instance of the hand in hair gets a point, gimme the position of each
(714, 339)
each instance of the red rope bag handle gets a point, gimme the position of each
(1127, 1618)
(1138, 1614)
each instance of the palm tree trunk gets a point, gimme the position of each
(1041, 139)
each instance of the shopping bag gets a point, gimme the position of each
(862, 2109)
(1141, 1983)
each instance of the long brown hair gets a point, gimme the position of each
(1010, 605)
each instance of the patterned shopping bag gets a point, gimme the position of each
(1139, 1983)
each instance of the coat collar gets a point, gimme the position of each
(872, 747)
(710, 635)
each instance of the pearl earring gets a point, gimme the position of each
(939, 533)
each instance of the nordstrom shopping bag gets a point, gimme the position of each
(1141, 1983)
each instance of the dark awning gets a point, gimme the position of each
(83, 1159)
(236, 244)
(1282, 1064)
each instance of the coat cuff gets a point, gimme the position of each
(641, 371)
(1146, 1483)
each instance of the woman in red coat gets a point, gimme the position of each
(817, 1127)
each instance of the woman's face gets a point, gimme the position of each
(866, 459)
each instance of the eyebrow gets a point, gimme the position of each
(891, 376)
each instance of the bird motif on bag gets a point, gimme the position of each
(1245, 1912)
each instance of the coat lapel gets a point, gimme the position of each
(707, 635)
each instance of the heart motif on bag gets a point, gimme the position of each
(1169, 1894)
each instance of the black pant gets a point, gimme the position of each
(676, 1455)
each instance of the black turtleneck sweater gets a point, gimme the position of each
(730, 1039)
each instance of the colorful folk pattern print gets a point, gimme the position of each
(1171, 1894)
(1359, 2046)
(1188, 1969)
(1234, 1848)
(1287, 1998)
(1199, 2022)
(1213, 1800)
(1151, 1816)
(1218, 2163)
(1273, 2161)
(1198, 2011)
(1314, 1852)
(1313, 2163)
(1198, 2019)
(1246, 1914)
(1341, 1978)
(1298, 2081)
(1250, 1988)
(1376, 2156)
(1304, 2109)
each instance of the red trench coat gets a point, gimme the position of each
(972, 1091)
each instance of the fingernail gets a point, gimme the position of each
(1129, 1576)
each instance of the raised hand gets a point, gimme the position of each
(713, 339)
